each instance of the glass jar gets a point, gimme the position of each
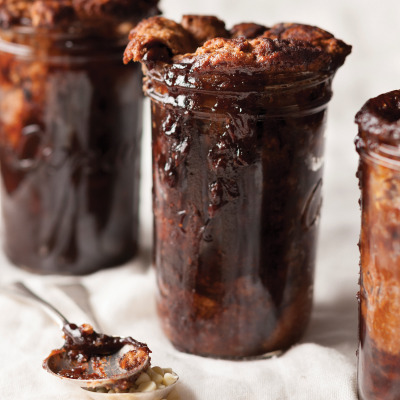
(378, 144)
(70, 128)
(237, 199)
(238, 139)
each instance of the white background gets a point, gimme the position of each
(323, 366)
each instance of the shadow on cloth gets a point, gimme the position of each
(334, 324)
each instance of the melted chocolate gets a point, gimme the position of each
(83, 344)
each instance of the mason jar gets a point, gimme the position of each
(237, 199)
(378, 145)
(238, 154)
(70, 129)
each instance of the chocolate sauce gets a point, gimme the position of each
(83, 342)
(83, 345)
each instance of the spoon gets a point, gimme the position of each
(90, 359)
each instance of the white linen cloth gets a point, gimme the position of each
(323, 364)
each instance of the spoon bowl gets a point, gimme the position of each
(100, 371)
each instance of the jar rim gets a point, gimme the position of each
(385, 155)
(294, 98)
(73, 31)
(74, 48)
(219, 82)
(277, 112)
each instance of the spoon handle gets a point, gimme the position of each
(21, 290)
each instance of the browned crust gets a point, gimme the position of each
(158, 37)
(249, 30)
(50, 13)
(204, 27)
(282, 48)
(13, 10)
(313, 35)
(259, 53)
(120, 9)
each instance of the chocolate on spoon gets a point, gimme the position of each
(94, 359)
(90, 359)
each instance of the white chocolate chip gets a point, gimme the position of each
(169, 379)
(147, 387)
(158, 370)
(167, 370)
(143, 377)
(161, 386)
(157, 378)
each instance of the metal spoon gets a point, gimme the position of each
(111, 371)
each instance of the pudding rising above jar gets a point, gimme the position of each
(378, 144)
(70, 127)
(238, 121)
